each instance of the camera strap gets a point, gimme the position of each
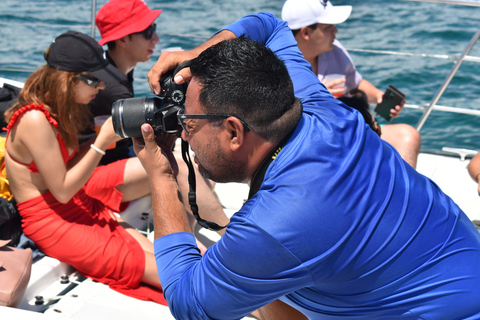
(184, 64)
(254, 187)
(259, 174)
(192, 198)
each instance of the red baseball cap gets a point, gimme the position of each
(119, 18)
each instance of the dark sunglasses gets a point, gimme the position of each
(89, 80)
(181, 118)
(148, 33)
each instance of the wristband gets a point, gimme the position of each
(94, 147)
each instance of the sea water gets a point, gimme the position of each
(408, 27)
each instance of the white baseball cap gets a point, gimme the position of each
(302, 13)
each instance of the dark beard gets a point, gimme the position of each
(225, 170)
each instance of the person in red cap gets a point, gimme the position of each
(127, 27)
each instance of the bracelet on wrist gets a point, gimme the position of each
(94, 147)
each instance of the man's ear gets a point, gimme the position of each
(305, 33)
(122, 42)
(236, 132)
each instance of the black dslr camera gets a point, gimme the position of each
(128, 115)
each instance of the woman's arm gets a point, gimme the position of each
(39, 138)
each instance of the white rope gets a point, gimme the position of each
(425, 55)
(473, 3)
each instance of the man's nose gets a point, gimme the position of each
(155, 38)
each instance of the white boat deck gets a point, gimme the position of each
(92, 300)
(451, 175)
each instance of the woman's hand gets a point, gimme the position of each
(107, 135)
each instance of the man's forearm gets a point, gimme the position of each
(168, 209)
(216, 38)
(370, 90)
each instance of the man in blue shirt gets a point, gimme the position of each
(337, 225)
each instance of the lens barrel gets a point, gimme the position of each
(128, 115)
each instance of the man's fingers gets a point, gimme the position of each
(183, 76)
(337, 91)
(153, 77)
(148, 136)
(336, 82)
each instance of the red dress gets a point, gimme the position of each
(82, 232)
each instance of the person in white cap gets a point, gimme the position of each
(313, 25)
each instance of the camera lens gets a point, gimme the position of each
(128, 115)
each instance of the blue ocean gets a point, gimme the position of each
(426, 38)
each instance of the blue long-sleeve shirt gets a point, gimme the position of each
(341, 227)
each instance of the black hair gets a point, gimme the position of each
(244, 78)
(312, 26)
(111, 45)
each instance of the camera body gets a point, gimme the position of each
(160, 112)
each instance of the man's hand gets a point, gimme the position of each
(375, 95)
(336, 87)
(169, 215)
(155, 153)
(167, 62)
(394, 112)
(170, 60)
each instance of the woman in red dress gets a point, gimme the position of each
(66, 201)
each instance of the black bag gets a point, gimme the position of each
(8, 96)
(10, 222)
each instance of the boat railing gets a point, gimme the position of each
(447, 80)
(426, 109)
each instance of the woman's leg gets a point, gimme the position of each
(135, 182)
(150, 275)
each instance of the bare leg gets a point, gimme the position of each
(135, 183)
(405, 139)
(150, 275)
(278, 310)
(209, 206)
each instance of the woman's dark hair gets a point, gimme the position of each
(244, 78)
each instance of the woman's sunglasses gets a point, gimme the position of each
(148, 33)
(89, 80)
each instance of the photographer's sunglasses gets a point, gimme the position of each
(181, 118)
(89, 80)
(148, 33)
